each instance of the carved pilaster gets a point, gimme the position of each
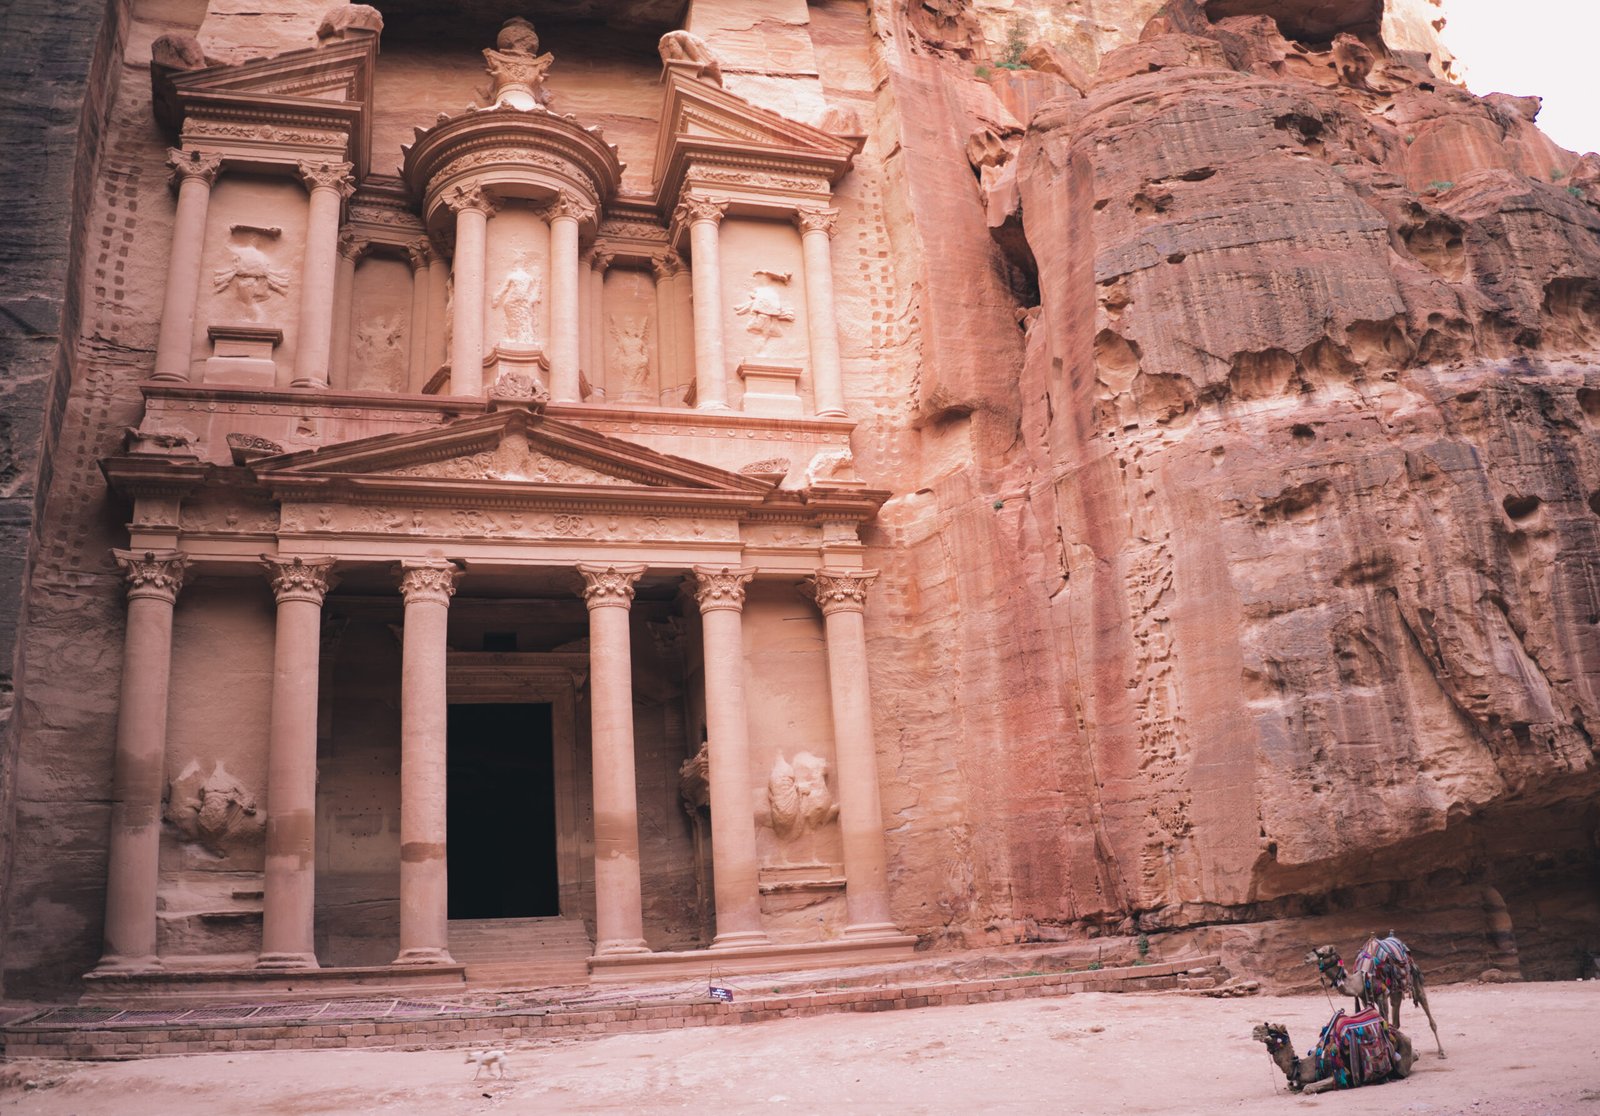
(299, 579)
(320, 175)
(201, 165)
(839, 590)
(471, 197)
(665, 265)
(609, 586)
(428, 580)
(156, 574)
(817, 219)
(721, 586)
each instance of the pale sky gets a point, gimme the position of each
(1543, 47)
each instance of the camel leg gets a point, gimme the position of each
(1422, 1002)
(1320, 1086)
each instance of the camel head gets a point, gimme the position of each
(1273, 1034)
(1324, 958)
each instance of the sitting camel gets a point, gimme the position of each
(1352, 1050)
(1385, 972)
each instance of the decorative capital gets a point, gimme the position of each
(157, 574)
(299, 579)
(816, 219)
(201, 165)
(721, 586)
(428, 579)
(839, 590)
(420, 253)
(601, 258)
(666, 265)
(319, 175)
(694, 209)
(569, 205)
(352, 247)
(470, 197)
(608, 586)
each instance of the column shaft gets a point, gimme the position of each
(466, 337)
(438, 297)
(564, 279)
(827, 376)
(665, 268)
(424, 872)
(329, 184)
(842, 595)
(619, 905)
(598, 263)
(588, 313)
(683, 307)
(710, 361)
(344, 297)
(420, 254)
(195, 172)
(138, 775)
(733, 833)
(289, 898)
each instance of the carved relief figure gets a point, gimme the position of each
(684, 46)
(251, 277)
(798, 799)
(630, 351)
(380, 351)
(215, 811)
(764, 308)
(694, 782)
(518, 299)
(829, 465)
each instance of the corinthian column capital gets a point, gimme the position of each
(202, 165)
(692, 209)
(420, 253)
(428, 579)
(568, 204)
(665, 265)
(609, 586)
(817, 219)
(157, 574)
(320, 175)
(299, 579)
(470, 197)
(352, 247)
(721, 586)
(839, 590)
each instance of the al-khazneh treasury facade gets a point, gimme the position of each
(494, 548)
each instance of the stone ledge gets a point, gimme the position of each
(172, 986)
(749, 959)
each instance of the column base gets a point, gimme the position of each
(282, 961)
(736, 939)
(170, 377)
(713, 405)
(115, 965)
(318, 385)
(866, 931)
(621, 945)
(428, 955)
(834, 412)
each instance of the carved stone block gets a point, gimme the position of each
(771, 389)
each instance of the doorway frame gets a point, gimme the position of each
(532, 678)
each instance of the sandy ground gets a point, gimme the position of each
(1523, 1050)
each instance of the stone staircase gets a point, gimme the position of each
(522, 952)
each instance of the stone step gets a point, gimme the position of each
(524, 952)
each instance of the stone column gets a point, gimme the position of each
(599, 261)
(351, 249)
(138, 775)
(420, 254)
(842, 596)
(193, 173)
(330, 184)
(427, 587)
(665, 267)
(438, 300)
(567, 212)
(720, 591)
(472, 207)
(619, 905)
(588, 316)
(703, 216)
(289, 899)
(822, 321)
(683, 305)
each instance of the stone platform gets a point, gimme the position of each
(174, 986)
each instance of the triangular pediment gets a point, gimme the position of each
(514, 448)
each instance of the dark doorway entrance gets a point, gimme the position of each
(502, 812)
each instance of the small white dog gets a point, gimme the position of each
(495, 1060)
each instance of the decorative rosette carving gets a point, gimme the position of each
(817, 219)
(839, 590)
(156, 574)
(299, 579)
(429, 580)
(607, 585)
(319, 175)
(202, 165)
(721, 586)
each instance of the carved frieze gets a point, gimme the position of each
(201, 129)
(512, 460)
(761, 180)
(504, 523)
(220, 517)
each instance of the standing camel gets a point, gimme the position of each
(1385, 972)
(1352, 1050)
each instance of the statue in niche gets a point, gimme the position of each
(517, 67)
(763, 307)
(380, 350)
(252, 278)
(215, 811)
(518, 299)
(685, 46)
(630, 351)
(798, 799)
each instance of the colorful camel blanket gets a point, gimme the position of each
(1355, 1049)
(1384, 967)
